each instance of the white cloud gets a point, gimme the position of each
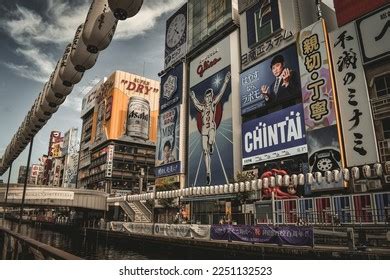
(38, 66)
(145, 19)
(34, 32)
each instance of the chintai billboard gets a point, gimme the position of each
(276, 135)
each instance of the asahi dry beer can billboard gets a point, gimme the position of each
(138, 118)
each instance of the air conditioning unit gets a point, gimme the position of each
(387, 179)
(374, 185)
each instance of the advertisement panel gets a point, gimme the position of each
(172, 88)
(89, 100)
(169, 180)
(265, 27)
(70, 170)
(348, 10)
(205, 18)
(55, 137)
(276, 135)
(324, 154)
(176, 37)
(374, 34)
(270, 82)
(316, 77)
(56, 172)
(56, 149)
(111, 112)
(210, 141)
(110, 160)
(70, 142)
(262, 20)
(41, 194)
(281, 235)
(167, 148)
(356, 116)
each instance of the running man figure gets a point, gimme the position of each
(207, 109)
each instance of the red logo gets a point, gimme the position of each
(206, 65)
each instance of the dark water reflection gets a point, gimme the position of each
(75, 243)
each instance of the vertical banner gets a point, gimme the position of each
(210, 144)
(176, 37)
(316, 78)
(110, 159)
(172, 88)
(318, 102)
(355, 113)
(167, 149)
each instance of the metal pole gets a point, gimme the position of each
(6, 192)
(25, 183)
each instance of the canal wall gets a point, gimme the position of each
(204, 248)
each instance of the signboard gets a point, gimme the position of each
(348, 10)
(356, 116)
(56, 173)
(56, 149)
(277, 135)
(167, 149)
(55, 137)
(70, 170)
(70, 142)
(270, 82)
(40, 194)
(287, 235)
(89, 100)
(111, 112)
(164, 181)
(324, 155)
(262, 20)
(110, 160)
(171, 88)
(210, 140)
(316, 78)
(374, 34)
(266, 26)
(176, 37)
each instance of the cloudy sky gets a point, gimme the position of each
(34, 34)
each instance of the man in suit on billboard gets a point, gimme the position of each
(286, 82)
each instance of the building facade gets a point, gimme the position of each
(119, 134)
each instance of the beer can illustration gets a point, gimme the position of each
(138, 117)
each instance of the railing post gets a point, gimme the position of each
(25, 183)
(6, 192)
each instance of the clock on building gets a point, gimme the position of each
(176, 30)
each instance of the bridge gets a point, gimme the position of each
(56, 197)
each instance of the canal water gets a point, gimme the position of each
(72, 241)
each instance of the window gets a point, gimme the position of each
(382, 85)
(386, 128)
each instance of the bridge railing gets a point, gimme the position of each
(14, 246)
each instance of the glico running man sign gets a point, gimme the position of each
(277, 135)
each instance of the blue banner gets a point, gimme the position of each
(281, 235)
(277, 135)
(271, 82)
(168, 169)
(171, 88)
